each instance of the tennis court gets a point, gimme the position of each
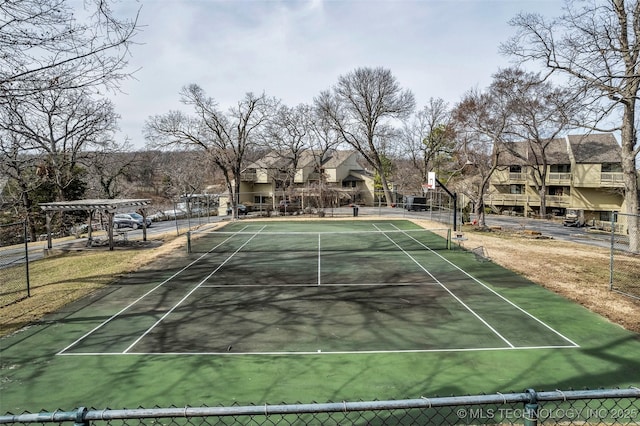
(316, 287)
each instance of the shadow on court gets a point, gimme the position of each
(385, 287)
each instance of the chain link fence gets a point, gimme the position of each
(14, 263)
(625, 257)
(593, 407)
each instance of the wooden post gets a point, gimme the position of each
(110, 228)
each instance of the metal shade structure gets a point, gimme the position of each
(107, 206)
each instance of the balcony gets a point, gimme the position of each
(249, 176)
(562, 178)
(612, 179)
(517, 177)
(526, 200)
(505, 199)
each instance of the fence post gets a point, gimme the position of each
(531, 409)
(189, 241)
(26, 256)
(613, 247)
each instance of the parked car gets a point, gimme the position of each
(129, 220)
(288, 207)
(157, 216)
(242, 209)
(415, 203)
(174, 214)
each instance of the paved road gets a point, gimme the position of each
(550, 228)
(553, 229)
(16, 255)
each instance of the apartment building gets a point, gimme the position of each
(583, 172)
(336, 177)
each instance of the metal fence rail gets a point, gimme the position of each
(606, 407)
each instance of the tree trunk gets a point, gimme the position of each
(630, 179)
(385, 188)
(479, 210)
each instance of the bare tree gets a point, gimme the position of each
(482, 125)
(59, 126)
(111, 165)
(22, 182)
(596, 47)
(47, 45)
(288, 134)
(323, 139)
(364, 106)
(427, 135)
(537, 112)
(225, 136)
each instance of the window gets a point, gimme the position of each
(606, 216)
(611, 167)
(515, 169)
(515, 189)
(560, 168)
(559, 190)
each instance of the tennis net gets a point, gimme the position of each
(332, 241)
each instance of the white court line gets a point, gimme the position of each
(190, 292)
(319, 270)
(112, 317)
(467, 307)
(407, 284)
(493, 291)
(401, 351)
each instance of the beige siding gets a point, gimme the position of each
(589, 188)
(595, 199)
(262, 176)
(331, 175)
(587, 175)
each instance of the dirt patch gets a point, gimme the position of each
(103, 244)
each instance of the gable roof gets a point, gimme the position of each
(336, 158)
(274, 160)
(522, 153)
(271, 160)
(595, 148)
(590, 148)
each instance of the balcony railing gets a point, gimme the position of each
(612, 177)
(248, 176)
(529, 200)
(559, 177)
(517, 176)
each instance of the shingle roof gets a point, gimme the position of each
(521, 153)
(590, 148)
(336, 158)
(274, 160)
(595, 148)
(557, 152)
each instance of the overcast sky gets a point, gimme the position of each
(292, 50)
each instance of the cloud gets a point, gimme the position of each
(294, 49)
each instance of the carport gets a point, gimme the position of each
(108, 207)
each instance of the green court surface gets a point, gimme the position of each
(272, 311)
